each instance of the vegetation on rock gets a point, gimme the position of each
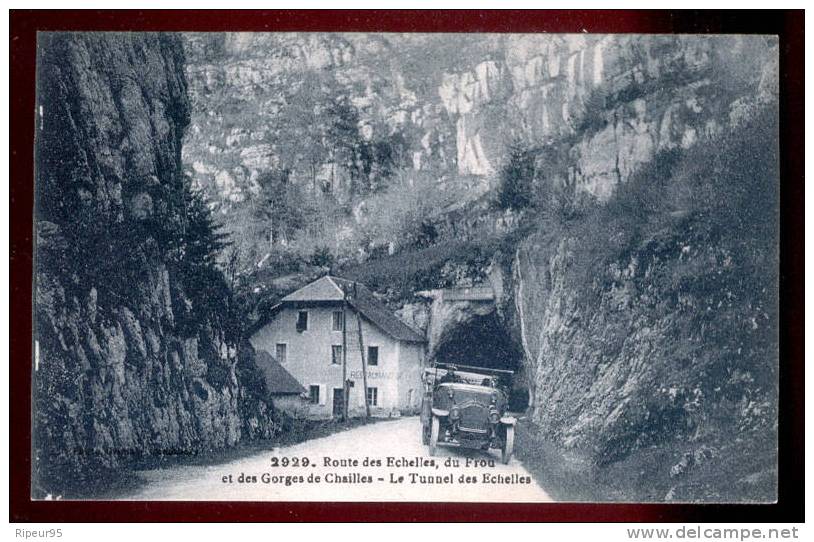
(135, 324)
(651, 321)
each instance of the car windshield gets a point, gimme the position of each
(468, 388)
(441, 376)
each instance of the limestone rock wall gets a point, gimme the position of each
(238, 87)
(618, 99)
(662, 334)
(116, 375)
(452, 107)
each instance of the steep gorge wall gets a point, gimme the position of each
(608, 104)
(619, 99)
(661, 330)
(614, 100)
(641, 329)
(240, 85)
(116, 378)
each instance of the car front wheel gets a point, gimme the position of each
(508, 444)
(434, 431)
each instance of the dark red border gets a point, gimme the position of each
(788, 25)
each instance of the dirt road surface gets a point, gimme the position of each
(341, 462)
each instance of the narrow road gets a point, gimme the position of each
(338, 469)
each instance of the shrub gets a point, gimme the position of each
(403, 214)
(322, 257)
(724, 192)
(593, 118)
(516, 182)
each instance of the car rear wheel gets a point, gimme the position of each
(508, 444)
(434, 431)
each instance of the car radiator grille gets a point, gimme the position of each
(474, 418)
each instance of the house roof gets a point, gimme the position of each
(363, 300)
(278, 380)
(335, 289)
(322, 289)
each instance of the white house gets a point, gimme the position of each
(312, 329)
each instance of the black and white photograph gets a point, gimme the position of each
(406, 267)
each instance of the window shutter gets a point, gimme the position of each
(323, 394)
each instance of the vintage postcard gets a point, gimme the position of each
(359, 267)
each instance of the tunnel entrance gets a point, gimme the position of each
(483, 341)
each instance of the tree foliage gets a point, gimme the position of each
(516, 183)
(282, 208)
(206, 295)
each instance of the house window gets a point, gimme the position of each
(373, 396)
(302, 320)
(313, 394)
(281, 352)
(338, 323)
(372, 355)
(336, 354)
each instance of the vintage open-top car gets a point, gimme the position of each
(466, 407)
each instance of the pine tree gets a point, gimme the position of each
(516, 179)
(196, 256)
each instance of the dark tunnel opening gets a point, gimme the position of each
(484, 342)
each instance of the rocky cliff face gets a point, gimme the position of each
(449, 109)
(618, 100)
(116, 378)
(662, 330)
(243, 89)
